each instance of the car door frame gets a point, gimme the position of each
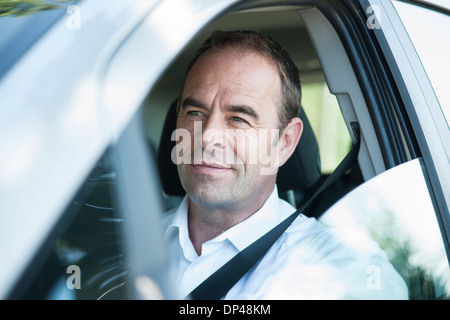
(421, 105)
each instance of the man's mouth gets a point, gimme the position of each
(205, 167)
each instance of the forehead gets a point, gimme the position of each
(234, 71)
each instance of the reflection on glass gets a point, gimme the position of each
(21, 8)
(394, 209)
(22, 22)
(92, 241)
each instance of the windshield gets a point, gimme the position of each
(22, 22)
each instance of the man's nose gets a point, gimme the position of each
(214, 132)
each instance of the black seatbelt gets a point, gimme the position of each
(219, 283)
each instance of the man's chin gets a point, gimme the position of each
(214, 196)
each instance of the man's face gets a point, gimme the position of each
(229, 107)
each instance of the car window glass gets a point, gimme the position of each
(86, 259)
(395, 210)
(428, 31)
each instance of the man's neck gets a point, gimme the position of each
(206, 222)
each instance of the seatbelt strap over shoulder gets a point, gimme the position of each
(219, 283)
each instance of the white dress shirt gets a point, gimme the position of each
(308, 261)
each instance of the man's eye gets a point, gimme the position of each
(238, 119)
(194, 113)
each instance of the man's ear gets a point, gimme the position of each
(289, 139)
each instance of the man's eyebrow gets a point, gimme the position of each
(193, 103)
(245, 110)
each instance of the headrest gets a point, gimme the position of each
(300, 172)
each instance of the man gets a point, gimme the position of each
(240, 98)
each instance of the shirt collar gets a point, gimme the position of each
(179, 226)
